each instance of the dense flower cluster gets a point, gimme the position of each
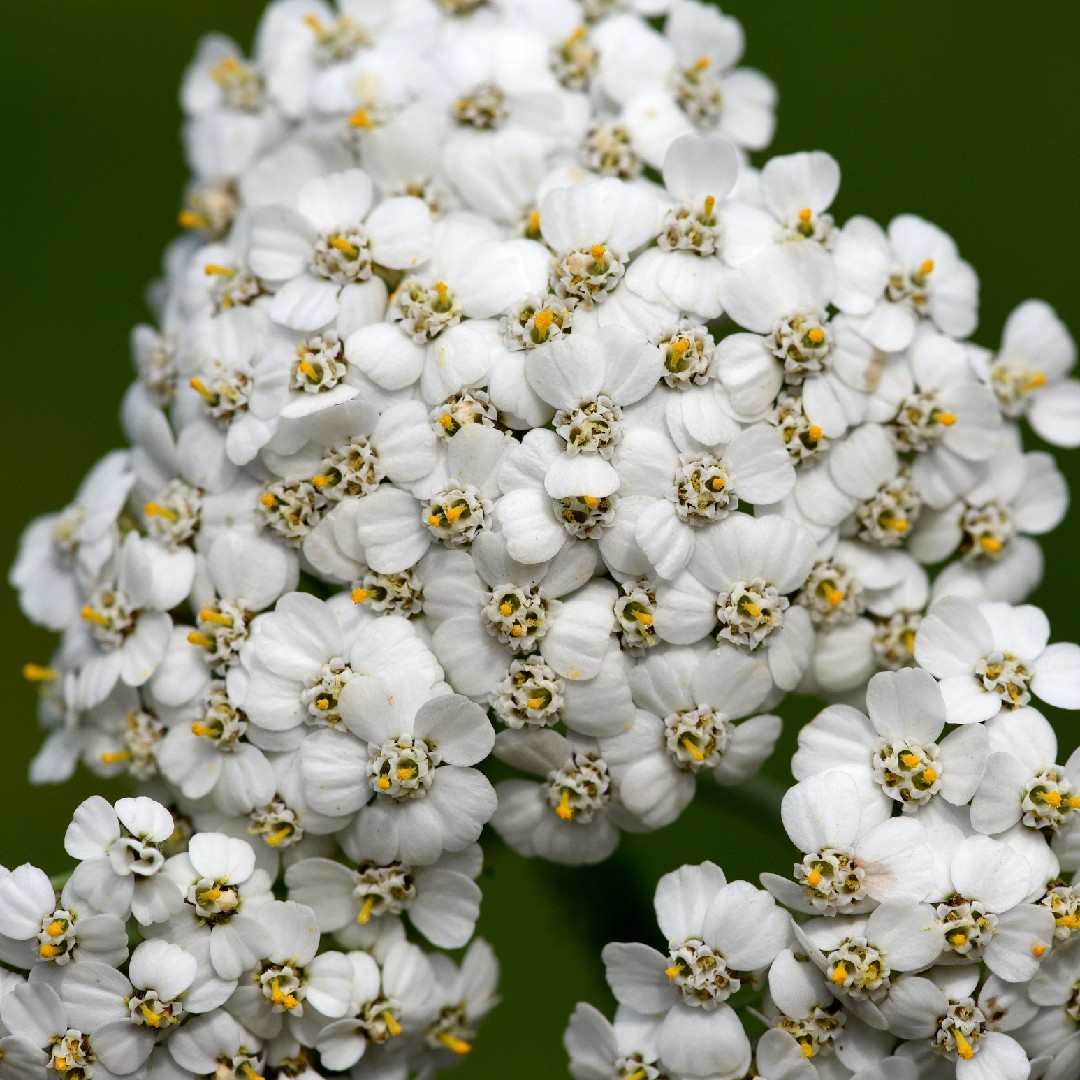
(497, 405)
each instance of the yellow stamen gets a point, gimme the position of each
(990, 544)
(217, 269)
(405, 773)
(443, 291)
(153, 509)
(90, 615)
(542, 320)
(361, 119)
(946, 419)
(114, 757)
(391, 1024)
(350, 251)
(591, 501)
(693, 749)
(753, 610)
(1038, 950)
(716, 483)
(360, 595)
(203, 390)
(807, 1049)
(313, 22)
(152, 1018)
(1070, 922)
(813, 879)
(1051, 798)
(673, 971)
(48, 952)
(278, 997)
(204, 731)
(701, 63)
(897, 524)
(564, 810)
(805, 215)
(1073, 803)
(210, 615)
(598, 251)
(910, 760)
(908, 640)
(505, 608)
(38, 673)
(963, 1047)
(678, 348)
(268, 500)
(364, 915)
(321, 481)
(446, 421)
(202, 640)
(927, 267)
(929, 775)
(1036, 380)
(250, 1072)
(644, 618)
(534, 222)
(384, 783)
(454, 512)
(322, 702)
(55, 929)
(816, 335)
(815, 433)
(839, 975)
(188, 219)
(60, 1064)
(832, 594)
(305, 367)
(454, 1044)
(433, 520)
(710, 204)
(210, 895)
(957, 939)
(534, 703)
(276, 838)
(517, 630)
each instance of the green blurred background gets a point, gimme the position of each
(963, 112)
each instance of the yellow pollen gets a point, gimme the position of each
(1073, 803)
(250, 1072)
(897, 524)
(693, 749)
(678, 348)
(454, 512)
(1036, 380)
(90, 615)
(360, 595)
(152, 1018)
(910, 760)
(203, 390)
(153, 509)
(38, 673)
(963, 1047)
(598, 251)
(807, 1049)
(361, 119)
(211, 894)
(517, 630)
(188, 219)
(839, 976)
(505, 608)
(60, 1064)
(542, 320)
(710, 204)
(1051, 798)
(673, 971)
(454, 1044)
(313, 22)
(534, 222)
(364, 915)
(391, 1024)
(55, 929)
(305, 367)
(204, 731)
(114, 757)
(990, 544)
(47, 952)
(753, 610)
(442, 290)
(1070, 922)
(1038, 950)
(701, 63)
(433, 520)
(405, 774)
(210, 615)
(591, 501)
(644, 618)
(716, 483)
(534, 703)
(384, 783)
(212, 269)
(202, 640)
(321, 481)
(957, 939)
(815, 433)
(322, 702)
(276, 838)
(268, 500)
(929, 775)
(927, 267)
(446, 421)
(350, 251)
(278, 997)
(813, 879)
(946, 419)
(638, 1074)
(816, 335)
(832, 594)
(564, 810)
(908, 639)
(805, 215)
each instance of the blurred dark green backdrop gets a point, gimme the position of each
(964, 112)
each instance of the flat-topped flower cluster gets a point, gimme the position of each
(496, 404)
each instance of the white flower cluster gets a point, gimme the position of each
(493, 390)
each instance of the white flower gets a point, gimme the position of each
(463, 997)
(217, 1045)
(600, 1050)
(991, 657)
